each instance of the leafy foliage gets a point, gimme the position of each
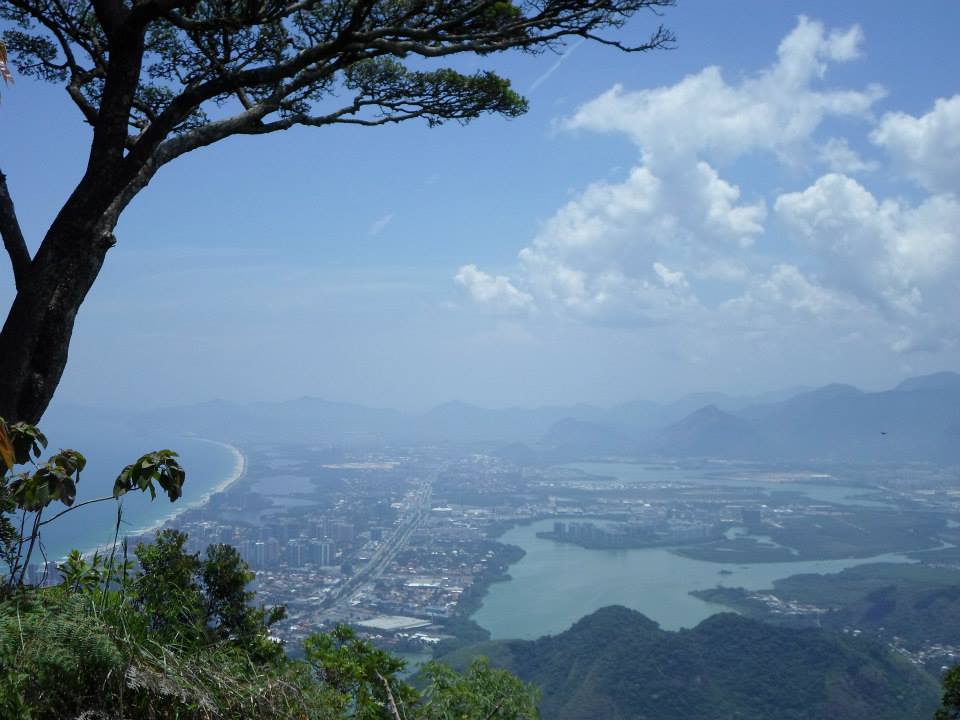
(54, 480)
(165, 593)
(187, 601)
(357, 672)
(64, 656)
(482, 691)
(19, 444)
(80, 576)
(160, 467)
(950, 706)
(183, 642)
(277, 63)
(30, 492)
(159, 78)
(70, 659)
(228, 609)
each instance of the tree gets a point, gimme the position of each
(187, 600)
(950, 706)
(156, 79)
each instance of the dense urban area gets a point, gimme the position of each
(402, 543)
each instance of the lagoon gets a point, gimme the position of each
(556, 584)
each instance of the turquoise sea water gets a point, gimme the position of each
(207, 465)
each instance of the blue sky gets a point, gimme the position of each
(772, 203)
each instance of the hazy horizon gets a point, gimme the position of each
(760, 395)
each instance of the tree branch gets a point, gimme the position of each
(112, 14)
(496, 709)
(357, 39)
(76, 94)
(71, 509)
(33, 540)
(13, 237)
(391, 702)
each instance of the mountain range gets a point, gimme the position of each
(918, 420)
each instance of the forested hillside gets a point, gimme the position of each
(617, 664)
(918, 604)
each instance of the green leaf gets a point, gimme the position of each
(27, 440)
(161, 467)
(71, 461)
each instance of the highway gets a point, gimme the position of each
(381, 559)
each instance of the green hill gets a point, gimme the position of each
(617, 664)
(917, 603)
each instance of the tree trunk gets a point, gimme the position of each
(36, 335)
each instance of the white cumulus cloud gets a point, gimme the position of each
(494, 291)
(903, 260)
(927, 148)
(602, 256)
(678, 240)
(704, 114)
(838, 156)
(785, 286)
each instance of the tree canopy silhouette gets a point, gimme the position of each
(156, 79)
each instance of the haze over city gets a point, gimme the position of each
(771, 204)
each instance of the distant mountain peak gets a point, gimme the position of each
(834, 390)
(946, 380)
(456, 406)
(710, 410)
(707, 431)
(708, 415)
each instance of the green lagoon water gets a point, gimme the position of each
(555, 584)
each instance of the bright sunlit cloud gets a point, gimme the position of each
(644, 249)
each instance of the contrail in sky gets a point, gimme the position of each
(553, 68)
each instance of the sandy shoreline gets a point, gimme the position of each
(238, 472)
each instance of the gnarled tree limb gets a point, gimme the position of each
(13, 237)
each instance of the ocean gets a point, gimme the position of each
(209, 466)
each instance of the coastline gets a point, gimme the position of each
(238, 472)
